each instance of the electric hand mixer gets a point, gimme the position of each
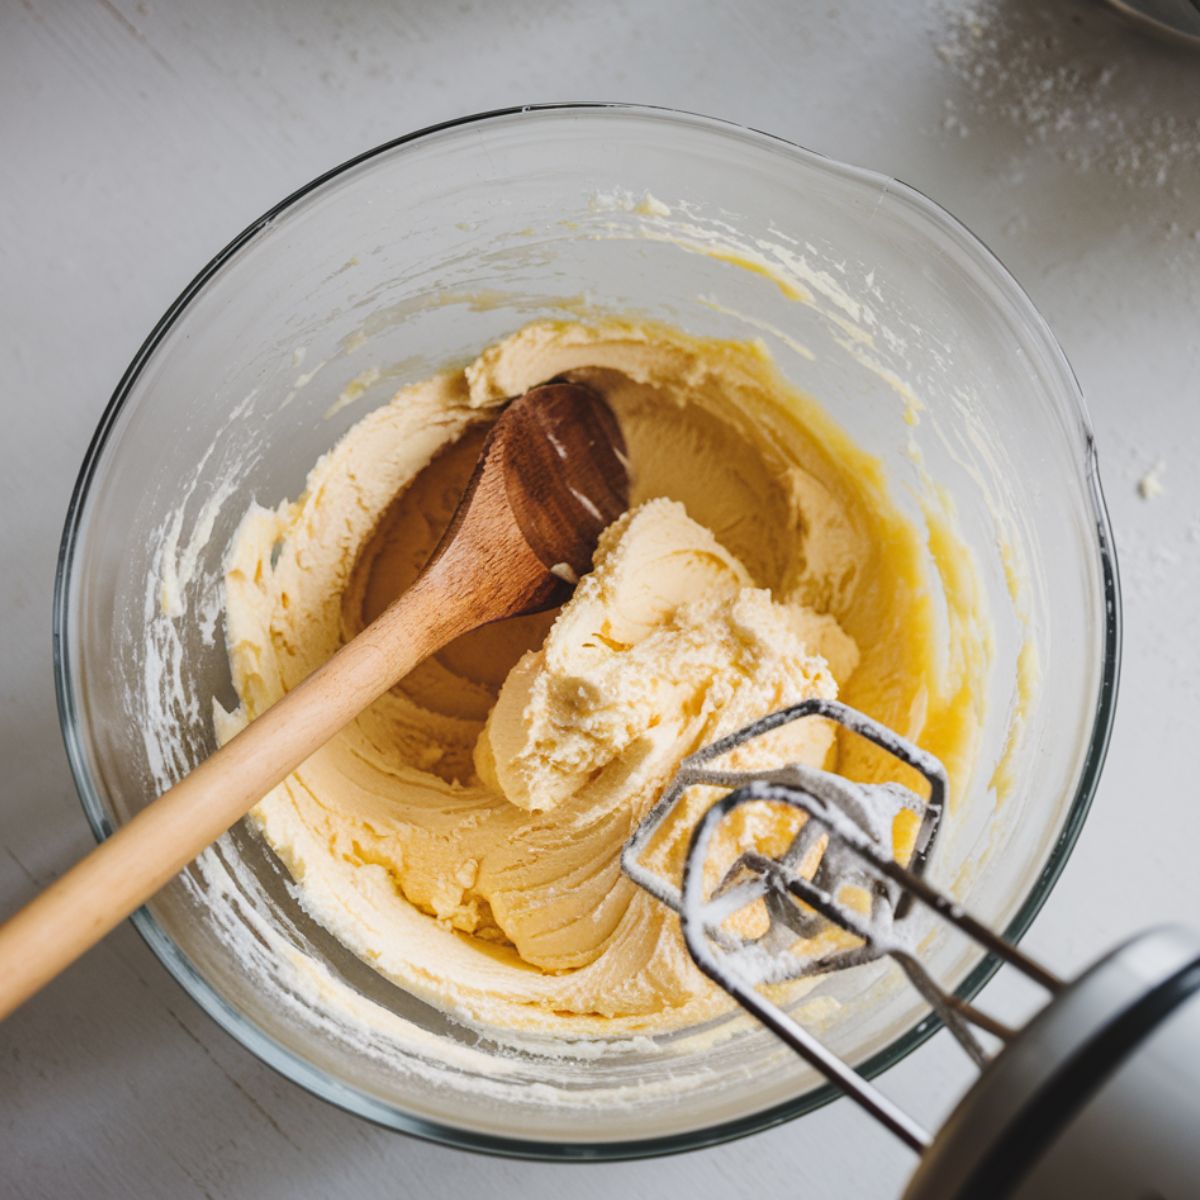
(1097, 1097)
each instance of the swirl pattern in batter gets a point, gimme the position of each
(463, 835)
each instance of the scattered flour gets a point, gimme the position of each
(1075, 79)
(1151, 484)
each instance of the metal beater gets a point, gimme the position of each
(1097, 1097)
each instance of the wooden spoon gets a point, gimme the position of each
(551, 476)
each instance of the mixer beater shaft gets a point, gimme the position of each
(1012, 1134)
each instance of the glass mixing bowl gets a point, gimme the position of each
(414, 256)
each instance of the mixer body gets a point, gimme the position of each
(1097, 1098)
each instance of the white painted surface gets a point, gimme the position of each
(136, 138)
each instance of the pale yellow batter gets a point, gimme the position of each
(464, 835)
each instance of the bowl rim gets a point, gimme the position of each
(293, 1066)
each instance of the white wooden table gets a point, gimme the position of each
(136, 136)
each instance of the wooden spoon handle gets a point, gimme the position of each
(125, 870)
(551, 476)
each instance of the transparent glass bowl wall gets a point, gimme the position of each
(414, 257)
